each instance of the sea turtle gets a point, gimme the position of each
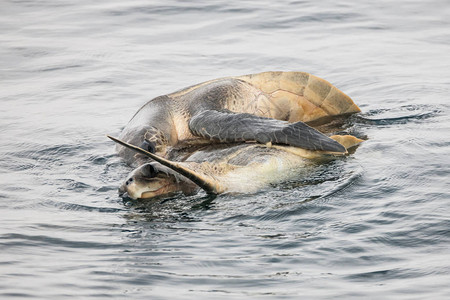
(222, 168)
(265, 107)
(190, 133)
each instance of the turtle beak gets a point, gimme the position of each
(123, 194)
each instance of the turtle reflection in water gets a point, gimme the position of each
(234, 134)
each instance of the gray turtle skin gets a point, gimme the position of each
(267, 107)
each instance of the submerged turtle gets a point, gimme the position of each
(264, 107)
(221, 168)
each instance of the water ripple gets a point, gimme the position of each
(22, 240)
(409, 113)
(79, 207)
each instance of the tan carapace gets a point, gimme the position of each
(234, 134)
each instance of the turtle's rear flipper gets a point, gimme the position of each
(226, 126)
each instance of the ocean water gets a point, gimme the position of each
(374, 225)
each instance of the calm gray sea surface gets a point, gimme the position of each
(374, 225)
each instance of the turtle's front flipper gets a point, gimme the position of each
(226, 126)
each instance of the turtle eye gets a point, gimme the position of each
(148, 146)
(149, 171)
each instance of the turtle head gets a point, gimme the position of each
(155, 180)
(148, 138)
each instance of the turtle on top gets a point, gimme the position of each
(235, 134)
